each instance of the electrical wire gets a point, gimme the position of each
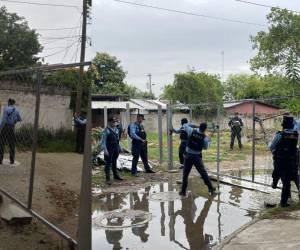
(66, 28)
(266, 6)
(42, 4)
(57, 38)
(60, 51)
(190, 13)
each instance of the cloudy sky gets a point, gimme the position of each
(154, 41)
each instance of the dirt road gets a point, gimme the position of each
(56, 197)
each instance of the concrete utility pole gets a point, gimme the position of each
(82, 57)
(150, 83)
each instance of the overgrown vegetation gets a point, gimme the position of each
(59, 141)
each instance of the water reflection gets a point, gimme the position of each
(196, 222)
(140, 204)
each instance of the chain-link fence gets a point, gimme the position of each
(240, 132)
(39, 168)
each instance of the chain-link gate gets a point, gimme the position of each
(36, 110)
(240, 132)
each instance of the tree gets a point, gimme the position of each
(279, 47)
(111, 75)
(134, 92)
(69, 78)
(194, 88)
(19, 44)
(243, 86)
(110, 78)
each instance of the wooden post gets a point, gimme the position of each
(105, 116)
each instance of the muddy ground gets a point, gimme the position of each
(56, 197)
(162, 174)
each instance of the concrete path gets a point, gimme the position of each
(277, 234)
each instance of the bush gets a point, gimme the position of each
(61, 140)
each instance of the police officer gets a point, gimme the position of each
(183, 134)
(197, 141)
(110, 145)
(7, 130)
(284, 149)
(276, 173)
(139, 145)
(236, 125)
(80, 125)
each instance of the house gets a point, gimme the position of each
(245, 107)
(117, 106)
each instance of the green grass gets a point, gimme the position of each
(57, 146)
(209, 155)
(279, 212)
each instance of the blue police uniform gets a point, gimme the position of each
(284, 150)
(138, 148)
(183, 132)
(197, 141)
(7, 131)
(111, 147)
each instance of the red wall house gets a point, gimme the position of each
(246, 108)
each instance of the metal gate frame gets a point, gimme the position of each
(84, 236)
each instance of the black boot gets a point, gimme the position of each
(107, 176)
(116, 175)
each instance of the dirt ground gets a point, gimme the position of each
(56, 197)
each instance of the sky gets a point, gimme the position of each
(147, 40)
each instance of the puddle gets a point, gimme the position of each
(196, 222)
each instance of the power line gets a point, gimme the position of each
(60, 51)
(266, 6)
(58, 38)
(42, 4)
(66, 28)
(71, 33)
(191, 13)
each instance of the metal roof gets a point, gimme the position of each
(114, 105)
(145, 104)
(233, 104)
(149, 104)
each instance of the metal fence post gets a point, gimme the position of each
(160, 135)
(299, 170)
(218, 145)
(128, 122)
(84, 220)
(253, 140)
(105, 116)
(191, 114)
(169, 136)
(35, 136)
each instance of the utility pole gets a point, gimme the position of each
(150, 83)
(82, 58)
(222, 53)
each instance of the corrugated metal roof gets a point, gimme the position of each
(114, 105)
(158, 102)
(145, 104)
